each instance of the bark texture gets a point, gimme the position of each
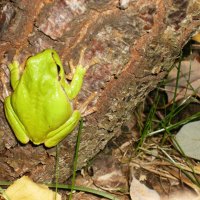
(134, 46)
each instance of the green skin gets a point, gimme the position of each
(40, 107)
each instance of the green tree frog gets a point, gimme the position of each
(40, 107)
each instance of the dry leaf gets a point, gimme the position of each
(196, 37)
(188, 83)
(188, 138)
(139, 191)
(182, 195)
(25, 189)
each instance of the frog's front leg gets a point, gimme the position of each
(76, 76)
(54, 137)
(14, 122)
(5, 92)
(14, 73)
(14, 78)
(74, 87)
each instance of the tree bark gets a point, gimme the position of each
(135, 45)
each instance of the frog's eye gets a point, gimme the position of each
(58, 70)
(57, 65)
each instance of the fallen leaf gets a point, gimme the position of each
(139, 191)
(25, 189)
(196, 37)
(188, 138)
(182, 195)
(188, 83)
(108, 174)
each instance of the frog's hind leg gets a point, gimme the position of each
(54, 137)
(15, 123)
(83, 108)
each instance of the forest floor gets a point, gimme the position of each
(145, 163)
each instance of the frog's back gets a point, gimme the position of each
(41, 107)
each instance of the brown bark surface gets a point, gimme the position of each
(134, 47)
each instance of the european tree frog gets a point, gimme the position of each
(40, 109)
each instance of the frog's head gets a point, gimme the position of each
(46, 63)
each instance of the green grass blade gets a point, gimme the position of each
(57, 169)
(176, 125)
(76, 157)
(86, 189)
(176, 89)
(148, 123)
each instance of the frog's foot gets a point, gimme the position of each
(83, 107)
(89, 111)
(81, 62)
(72, 67)
(15, 62)
(5, 91)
